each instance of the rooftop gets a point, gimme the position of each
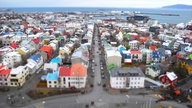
(127, 72)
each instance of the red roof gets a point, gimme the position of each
(36, 40)
(135, 52)
(153, 47)
(64, 71)
(135, 36)
(14, 45)
(5, 72)
(48, 50)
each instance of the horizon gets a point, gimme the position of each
(92, 3)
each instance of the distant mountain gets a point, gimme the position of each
(178, 6)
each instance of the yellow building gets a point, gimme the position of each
(188, 65)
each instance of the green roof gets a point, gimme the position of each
(60, 38)
(111, 66)
(190, 56)
(127, 36)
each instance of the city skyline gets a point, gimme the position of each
(93, 3)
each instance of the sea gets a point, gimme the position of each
(185, 15)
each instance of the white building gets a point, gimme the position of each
(12, 59)
(18, 76)
(52, 80)
(153, 70)
(113, 57)
(147, 55)
(34, 62)
(134, 44)
(126, 78)
(74, 77)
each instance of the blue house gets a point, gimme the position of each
(34, 62)
(158, 57)
(56, 60)
(52, 80)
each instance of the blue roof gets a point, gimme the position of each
(56, 60)
(44, 77)
(121, 50)
(104, 42)
(36, 57)
(53, 76)
(155, 55)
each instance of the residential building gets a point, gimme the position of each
(56, 60)
(134, 44)
(51, 67)
(136, 55)
(147, 55)
(4, 74)
(74, 77)
(187, 64)
(12, 59)
(48, 50)
(153, 70)
(34, 62)
(52, 80)
(80, 56)
(126, 78)
(113, 57)
(168, 78)
(18, 76)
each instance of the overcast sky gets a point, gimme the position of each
(92, 3)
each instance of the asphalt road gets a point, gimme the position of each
(101, 98)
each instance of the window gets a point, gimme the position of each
(55, 82)
(68, 78)
(11, 83)
(49, 81)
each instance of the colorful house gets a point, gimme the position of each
(34, 62)
(168, 78)
(48, 50)
(52, 80)
(187, 64)
(4, 74)
(153, 70)
(74, 77)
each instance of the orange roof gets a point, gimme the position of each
(153, 47)
(46, 48)
(78, 70)
(143, 38)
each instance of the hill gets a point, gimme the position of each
(178, 6)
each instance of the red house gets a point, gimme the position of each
(168, 78)
(48, 50)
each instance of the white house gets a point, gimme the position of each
(74, 77)
(126, 78)
(18, 76)
(51, 67)
(134, 44)
(12, 59)
(113, 57)
(52, 80)
(147, 55)
(136, 55)
(153, 70)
